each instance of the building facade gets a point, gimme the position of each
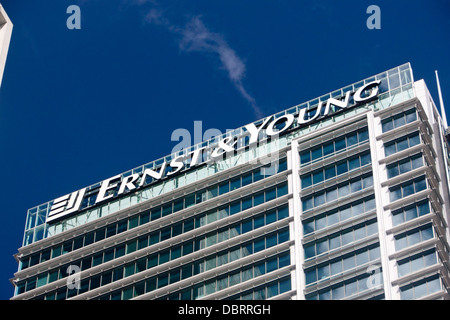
(6, 27)
(342, 197)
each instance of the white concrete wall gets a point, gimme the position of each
(6, 27)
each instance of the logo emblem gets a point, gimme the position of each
(66, 204)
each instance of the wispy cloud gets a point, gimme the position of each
(194, 36)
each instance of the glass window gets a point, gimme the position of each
(414, 139)
(365, 159)
(311, 276)
(342, 167)
(395, 194)
(363, 135)
(321, 222)
(310, 250)
(317, 176)
(224, 187)
(352, 139)
(399, 120)
(331, 195)
(349, 262)
(246, 179)
(322, 246)
(354, 163)
(356, 185)
(332, 217)
(306, 181)
(387, 124)
(316, 153)
(235, 183)
(340, 144)
(347, 237)
(305, 157)
(319, 199)
(335, 242)
(307, 203)
(271, 194)
(411, 116)
(392, 171)
(367, 181)
(420, 184)
(417, 162)
(343, 190)
(390, 149)
(156, 213)
(410, 213)
(330, 172)
(323, 272)
(404, 166)
(408, 189)
(336, 267)
(328, 148)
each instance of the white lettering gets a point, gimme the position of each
(105, 187)
(151, 173)
(71, 203)
(289, 120)
(254, 132)
(223, 144)
(176, 163)
(128, 183)
(338, 103)
(301, 115)
(373, 93)
(195, 156)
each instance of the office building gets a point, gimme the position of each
(6, 27)
(342, 197)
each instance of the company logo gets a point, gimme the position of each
(66, 205)
(118, 185)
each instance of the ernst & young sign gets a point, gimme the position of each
(116, 186)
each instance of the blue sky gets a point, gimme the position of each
(79, 106)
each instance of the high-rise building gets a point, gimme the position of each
(343, 197)
(6, 27)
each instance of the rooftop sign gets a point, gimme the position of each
(118, 185)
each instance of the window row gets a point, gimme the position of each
(204, 288)
(405, 165)
(401, 144)
(336, 192)
(340, 239)
(188, 177)
(408, 188)
(164, 256)
(416, 262)
(338, 215)
(171, 207)
(399, 120)
(331, 171)
(413, 237)
(175, 275)
(421, 288)
(410, 212)
(265, 291)
(342, 264)
(147, 216)
(345, 289)
(336, 145)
